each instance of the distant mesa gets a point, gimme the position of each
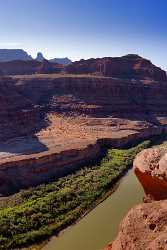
(64, 61)
(7, 55)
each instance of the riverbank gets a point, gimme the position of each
(45, 210)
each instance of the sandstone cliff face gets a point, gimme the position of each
(17, 114)
(151, 169)
(23, 172)
(97, 96)
(143, 228)
(130, 66)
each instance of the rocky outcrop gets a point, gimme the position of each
(129, 66)
(40, 57)
(151, 169)
(63, 61)
(143, 228)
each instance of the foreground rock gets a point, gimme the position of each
(151, 169)
(143, 228)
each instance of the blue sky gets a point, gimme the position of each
(86, 28)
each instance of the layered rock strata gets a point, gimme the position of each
(17, 113)
(129, 66)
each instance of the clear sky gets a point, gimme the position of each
(86, 28)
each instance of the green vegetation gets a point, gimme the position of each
(47, 209)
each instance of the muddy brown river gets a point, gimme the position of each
(100, 226)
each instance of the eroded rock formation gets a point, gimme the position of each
(151, 169)
(143, 228)
(129, 66)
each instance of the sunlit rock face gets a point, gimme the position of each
(129, 66)
(143, 228)
(150, 167)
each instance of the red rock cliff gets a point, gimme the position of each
(18, 115)
(144, 227)
(130, 66)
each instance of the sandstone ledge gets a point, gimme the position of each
(28, 170)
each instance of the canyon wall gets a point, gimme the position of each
(96, 96)
(44, 116)
(23, 171)
(129, 66)
(17, 114)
